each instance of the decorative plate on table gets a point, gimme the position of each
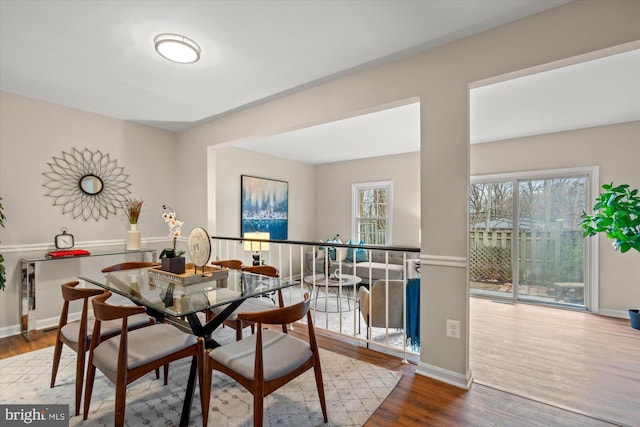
(199, 245)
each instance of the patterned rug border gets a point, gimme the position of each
(354, 390)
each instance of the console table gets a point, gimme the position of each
(28, 284)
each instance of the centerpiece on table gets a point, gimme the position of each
(172, 260)
(133, 208)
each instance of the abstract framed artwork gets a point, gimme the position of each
(264, 207)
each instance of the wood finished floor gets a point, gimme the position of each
(506, 350)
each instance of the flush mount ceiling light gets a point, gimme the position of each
(177, 48)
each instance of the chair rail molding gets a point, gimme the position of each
(443, 260)
(85, 244)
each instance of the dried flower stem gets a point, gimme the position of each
(133, 208)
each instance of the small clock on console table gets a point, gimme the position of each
(64, 242)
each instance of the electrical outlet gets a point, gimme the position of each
(453, 328)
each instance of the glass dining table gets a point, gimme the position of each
(178, 299)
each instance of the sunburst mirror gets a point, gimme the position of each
(87, 184)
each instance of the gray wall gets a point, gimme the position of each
(333, 195)
(224, 221)
(31, 134)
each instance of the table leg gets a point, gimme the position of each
(205, 332)
(188, 398)
(28, 300)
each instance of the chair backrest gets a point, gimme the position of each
(377, 317)
(265, 270)
(103, 311)
(71, 293)
(279, 316)
(233, 264)
(130, 266)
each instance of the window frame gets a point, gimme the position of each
(592, 174)
(355, 220)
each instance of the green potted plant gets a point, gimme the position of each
(3, 273)
(617, 214)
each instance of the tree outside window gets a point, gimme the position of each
(372, 213)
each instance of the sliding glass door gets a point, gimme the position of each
(526, 241)
(491, 233)
(550, 245)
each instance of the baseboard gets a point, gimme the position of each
(615, 313)
(445, 376)
(9, 331)
(41, 324)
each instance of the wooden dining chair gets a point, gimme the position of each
(126, 357)
(77, 334)
(265, 270)
(267, 360)
(232, 264)
(130, 266)
(134, 265)
(251, 304)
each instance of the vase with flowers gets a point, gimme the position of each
(132, 209)
(172, 260)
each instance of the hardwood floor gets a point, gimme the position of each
(532, 348)
(586, 363)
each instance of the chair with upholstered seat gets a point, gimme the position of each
(77, 334)
(375, 315)
(129, 266)
(131, 354)
(251, 304)
(121, 300)
(267, 360)
(265, 270)
(232, 264)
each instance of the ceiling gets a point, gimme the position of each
(98, 56)
(597, 92)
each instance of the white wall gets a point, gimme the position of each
(333, 195)
(31, 134)
(616, 151)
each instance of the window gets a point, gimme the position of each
(525, 237)
(372, 213)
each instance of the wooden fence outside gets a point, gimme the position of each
(545, 256)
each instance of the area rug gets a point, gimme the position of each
(353, 389)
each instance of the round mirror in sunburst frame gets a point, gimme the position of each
(87, 184)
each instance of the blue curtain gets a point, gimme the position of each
(413, 314)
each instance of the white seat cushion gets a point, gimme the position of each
(250, 305)
(282, 353)
(145, 345)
